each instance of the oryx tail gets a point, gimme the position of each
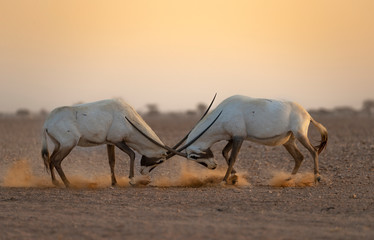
(45, 153)
(324, 136)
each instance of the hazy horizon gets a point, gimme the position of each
(177, 54)
(143, 108)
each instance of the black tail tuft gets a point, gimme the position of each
(44, 152)
(324, 136)
(45, 156)
(321, 146)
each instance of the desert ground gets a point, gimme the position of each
(184, 200)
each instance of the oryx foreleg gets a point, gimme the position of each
(131, 153)
(225, 153)
(303, 139)
(236, 145)
(112, 162)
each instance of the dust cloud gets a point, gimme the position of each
(190, 176)
(20, 174)
(283, 179)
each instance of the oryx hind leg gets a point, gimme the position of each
(225, 152)
(295, 153)
(131, 153)
(57, 159)
(303, 139)
(112, 162)
(51, 168)
(53, 156)
(236, 145)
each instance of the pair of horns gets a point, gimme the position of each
(205, 113)
(173, 151)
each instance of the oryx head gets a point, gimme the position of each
(205, 158)
(148, 164)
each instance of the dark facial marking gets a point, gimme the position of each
(204, 164)
(207, 154)
(146, 161)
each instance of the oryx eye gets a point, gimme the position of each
(194, 157)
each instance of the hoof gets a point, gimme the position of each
(132, 182)
(233, 179)
(317, 178)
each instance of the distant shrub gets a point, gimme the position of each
(43, 113)
(190, 113)
(201, 108)
(23, 112)
(153, 110)
(368, 107)
(345, 110)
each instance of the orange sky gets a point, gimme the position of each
(179, 53)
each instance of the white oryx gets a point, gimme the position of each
(264, 121)
(93, 124)
(97, 123)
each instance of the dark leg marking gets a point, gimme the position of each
(236, 145)
(51, 169)
(126, 149)
(225, 153)
(53, 156)
(56, 161)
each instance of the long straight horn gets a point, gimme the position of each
(157, 143)
(195, 138)
(185, 137)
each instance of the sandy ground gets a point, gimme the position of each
(185, 200)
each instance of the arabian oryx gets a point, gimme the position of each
(97, 123)
(264, 121)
